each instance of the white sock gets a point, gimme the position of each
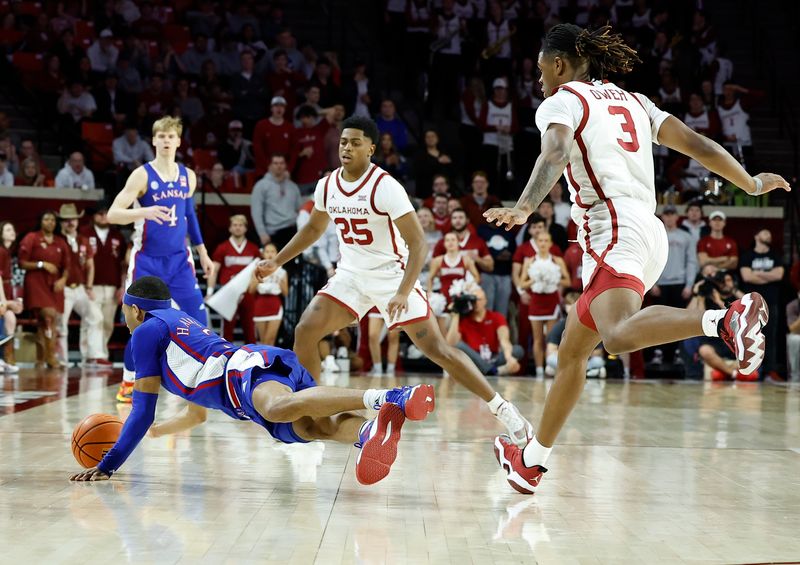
(128, 377)
(495, 402)
(390, 367)
(539, 371)
(710, 320)
(535, 453)
(374, 396)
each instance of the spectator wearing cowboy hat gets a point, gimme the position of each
(79, 292)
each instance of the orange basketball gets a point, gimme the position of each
(93, 437)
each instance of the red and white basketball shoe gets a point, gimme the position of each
(523, 479)
(740, 329)
(378, 441)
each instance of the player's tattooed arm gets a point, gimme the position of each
(548, 168)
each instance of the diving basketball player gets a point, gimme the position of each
(261, 383)
(600, 136)
(383, 249)
(161, 193)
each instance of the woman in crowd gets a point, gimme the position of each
(454, 269)
(544, 275)
(45, 257)
(29, 174)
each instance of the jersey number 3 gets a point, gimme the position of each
(362, 235)
(627, 126)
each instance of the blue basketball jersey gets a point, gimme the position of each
(189, 357)
(168, 238)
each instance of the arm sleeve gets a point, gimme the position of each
(562, 108)
(319, 194)
(148, 338)
(139, 421)
(192, 225)
(391, 197)
(656, 115)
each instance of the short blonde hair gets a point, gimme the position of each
(239, 218)
(168, 123)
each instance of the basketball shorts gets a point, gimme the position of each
(359, 292)
(177, 271)
(624, 246)
(252, 365)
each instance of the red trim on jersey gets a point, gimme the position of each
(576, 187)
(339, 302)
(415, 320)
(325, 190)
(189, 390)
(261, 352)
(389, 219)
(134, 252)
(359, 187)
(639, 101)
(585, 104)
(582, 145)
(190, 260)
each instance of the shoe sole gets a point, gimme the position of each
(379, 452)
(749, 339)
(421, 402)
(517, 481)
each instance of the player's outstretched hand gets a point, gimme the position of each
(397, 306)
(772, 181)
(265, 268)
(158, 214)
(509, 216)
(93, 474)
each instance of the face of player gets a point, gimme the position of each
(355, 150)
(133, 317)
(552, 73)
(269, 252)
(451, 242)
(166, 143)
(458, 220)
(238, 228)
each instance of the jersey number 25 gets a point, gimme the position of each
(627, 127)
(355, 225)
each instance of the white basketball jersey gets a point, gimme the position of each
(611, 155)
(364, 212)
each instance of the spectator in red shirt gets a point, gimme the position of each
(440, 214)
(479, 200)
(282, 80)
(716, 248)
(472, 245)
(45, 257)
(272, 135)
(440, 186)
(308, 150)
(108, 247)
(230, 258)
(79, 293)
(484, 336)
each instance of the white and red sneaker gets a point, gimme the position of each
(740, 329)
(523, 479)
(378, 441)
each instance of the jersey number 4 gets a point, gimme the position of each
(628, 127)
(173, 216)
(362, 236)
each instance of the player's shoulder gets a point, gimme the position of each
(151, 330)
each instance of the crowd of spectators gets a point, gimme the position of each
(263, 112)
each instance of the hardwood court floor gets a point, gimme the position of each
(646, 473)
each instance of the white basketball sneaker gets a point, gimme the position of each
(519, 429)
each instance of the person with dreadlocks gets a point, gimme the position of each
(600, 136)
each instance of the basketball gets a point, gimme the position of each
(93, 437)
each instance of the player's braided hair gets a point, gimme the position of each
(605, 51)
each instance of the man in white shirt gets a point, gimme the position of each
(75, 174)
(103, 53)
(130, 150)
(77, 102)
